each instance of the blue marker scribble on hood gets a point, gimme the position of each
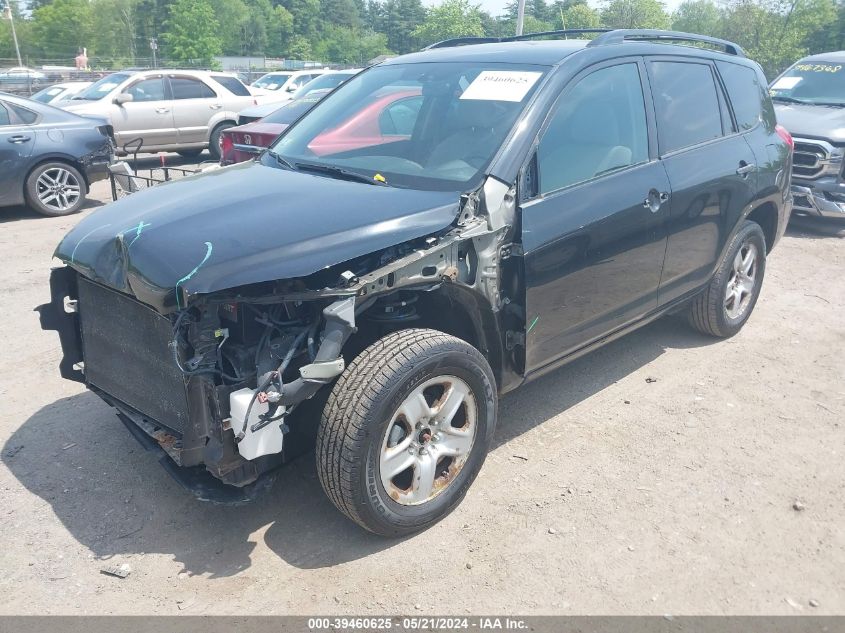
(138, 229)
(193, 272)
(83, 238)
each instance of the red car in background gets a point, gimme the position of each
(389, 117)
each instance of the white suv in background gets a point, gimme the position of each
(181, 111)
(279, 86)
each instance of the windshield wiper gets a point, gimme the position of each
(790, 100)
(339, 172)
(282, 161)
(831, 104)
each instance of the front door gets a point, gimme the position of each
(148, 116)
(594, 237)
(17, 141)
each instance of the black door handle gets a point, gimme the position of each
(655, 200)
(745, 168)
(18, 138)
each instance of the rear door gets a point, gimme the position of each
(711, 168)
(17, 141)
(194, 103)
(148, 116)
(594, 235)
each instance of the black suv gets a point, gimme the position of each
(440, 229)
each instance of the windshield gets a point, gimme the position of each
(330, 80)
(272, 81)
(100, 89)
(821, 83)
(432, 126)
(47, 95)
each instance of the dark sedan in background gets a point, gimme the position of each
(49, 157)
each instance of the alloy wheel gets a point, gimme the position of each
(57, 188)
(428, 440)
(743, 278)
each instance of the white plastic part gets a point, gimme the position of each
(267, 440)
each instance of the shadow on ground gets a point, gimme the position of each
(805, 226)
(115, 499)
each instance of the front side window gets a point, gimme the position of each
(686, 104)
(599, 126)
(745, 92)
(812, 82)
(147, 90)
(433, 126)
(184, 88)
(101, 88)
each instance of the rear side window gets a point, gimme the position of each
(184, 88)
(232, 84)
(599, 127)
(22, 114)
(686, 104)
(744, 92)
(4, 115)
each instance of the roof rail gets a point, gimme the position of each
(621, 35)
(462, 41)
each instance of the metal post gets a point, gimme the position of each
(520, 16)
(8, 13)
(154, 48)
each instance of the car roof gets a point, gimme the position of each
(833, 56)
(542, 52)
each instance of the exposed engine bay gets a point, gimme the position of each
(248, 362)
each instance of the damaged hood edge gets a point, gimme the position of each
(245, 224)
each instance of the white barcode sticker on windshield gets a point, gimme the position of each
(786, 83)
(501, 85)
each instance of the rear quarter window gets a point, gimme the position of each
(745, 93)
(232, 84)
(22, 115)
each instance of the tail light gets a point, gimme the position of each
(226, 147)
(786, 136)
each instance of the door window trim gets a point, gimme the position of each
(651, 128)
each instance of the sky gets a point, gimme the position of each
(497, 7)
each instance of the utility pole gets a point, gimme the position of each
(7, 13)
(154, 48)
(520, 16)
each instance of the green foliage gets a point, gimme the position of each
(578, 16)
(453, 18)
(634, 14)
(117, 32)
(191, 34)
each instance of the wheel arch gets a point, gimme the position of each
(766, 216)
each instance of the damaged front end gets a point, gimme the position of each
(230, 382)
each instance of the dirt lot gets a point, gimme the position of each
(666, 473)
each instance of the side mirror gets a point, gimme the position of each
(292, 88)
(123, 97)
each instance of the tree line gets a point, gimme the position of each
(118, 32)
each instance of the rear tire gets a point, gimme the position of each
(214, 139)
(725, 305)
(55, 189)
(405, 431)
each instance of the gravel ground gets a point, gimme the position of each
(665, 473)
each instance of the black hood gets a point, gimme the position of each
(813, 121)
(244, 224)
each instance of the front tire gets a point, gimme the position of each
(727, 302)
(55, 189)
(405, 431)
